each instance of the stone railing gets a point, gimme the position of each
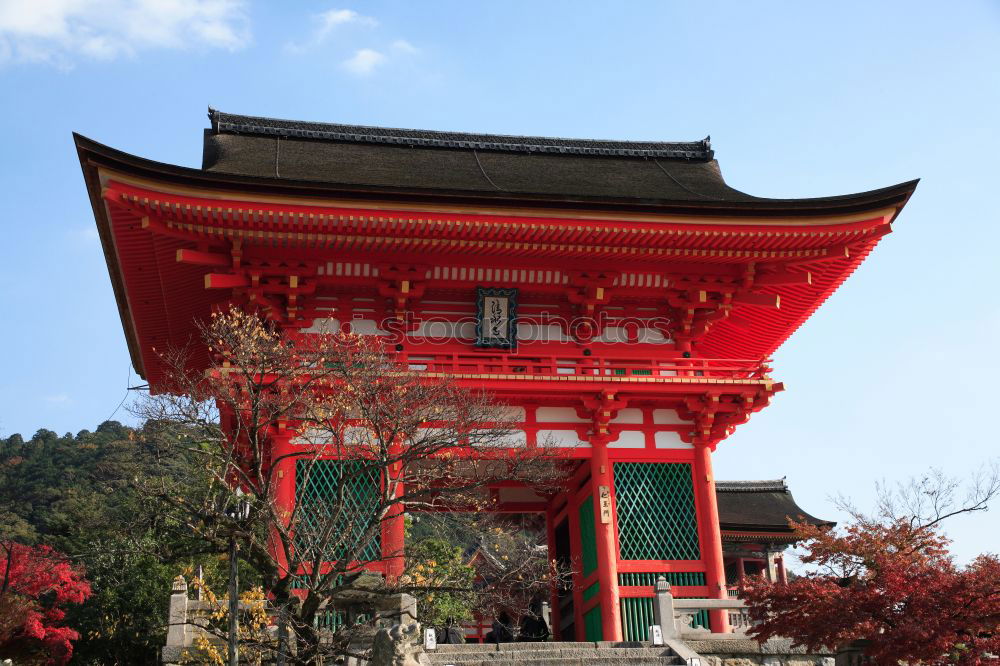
(676, 616)
(189, 619)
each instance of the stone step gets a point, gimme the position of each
(552, 654)
(604, 659)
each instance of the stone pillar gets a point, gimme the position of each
(663, 608)
(711, 535)
(602, 483)
(177, 616)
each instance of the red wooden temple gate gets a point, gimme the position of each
(619, 296)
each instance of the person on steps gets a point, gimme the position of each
(533, 626)
(502, 629)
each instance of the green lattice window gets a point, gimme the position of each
(318, 498)
(673, 577)
(588, 536)
(592, 629)
(656, 515)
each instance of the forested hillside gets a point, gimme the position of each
(73, 493)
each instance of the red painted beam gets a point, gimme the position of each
(225, 281)
(761, 300)
(203, 258)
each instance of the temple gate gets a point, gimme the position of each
(620, 297)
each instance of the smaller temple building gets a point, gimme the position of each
(753, 519)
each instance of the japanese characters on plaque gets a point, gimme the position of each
(496, 317)
(605, 496)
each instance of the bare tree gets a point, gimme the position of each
(926, 500)
(369, 438)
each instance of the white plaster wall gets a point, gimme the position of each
(558, 415)
(323, 325)
(444, 330)
(629, 439)
(560, 438)
(516, 414)
(366, 327)
(545, 332)
(667, 439)
(613, 334)
(630, 415)
(667, 417)
(652, 336)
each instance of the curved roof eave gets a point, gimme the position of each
(93, 152)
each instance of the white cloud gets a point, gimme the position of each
(364, 62)
(57, 399)
(330, 19)
(325, 23)
(403, 46)
(58, 31)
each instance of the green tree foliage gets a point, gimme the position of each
(74, 493)
(445, 578)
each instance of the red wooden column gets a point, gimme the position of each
(394, 528)
(283, 481)
(550, 537)
(711, 545)
(607, 551)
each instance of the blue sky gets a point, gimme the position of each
(895, 374)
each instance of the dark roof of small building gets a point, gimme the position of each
(760, 506)
(499, 167)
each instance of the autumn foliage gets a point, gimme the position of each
(890, 583)
(37, 584)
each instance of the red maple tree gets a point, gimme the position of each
(37, 583)
(889, 581)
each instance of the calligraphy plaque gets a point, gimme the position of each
(605, 495)
(496, 317)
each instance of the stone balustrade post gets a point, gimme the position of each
(407, 609)
(663, 608)
(177, 616)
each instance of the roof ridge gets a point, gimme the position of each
(231, 123)
(765, 485)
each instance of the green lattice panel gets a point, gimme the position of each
(656, 515)
(317, 500)
(673, 577)
(637, 616)
(331, 620)
(592, 629)
(588, 536)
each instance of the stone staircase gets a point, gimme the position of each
(552, 654)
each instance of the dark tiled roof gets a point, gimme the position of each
(445, 162)
(762, 506)
(227, 123)
(774, 486)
